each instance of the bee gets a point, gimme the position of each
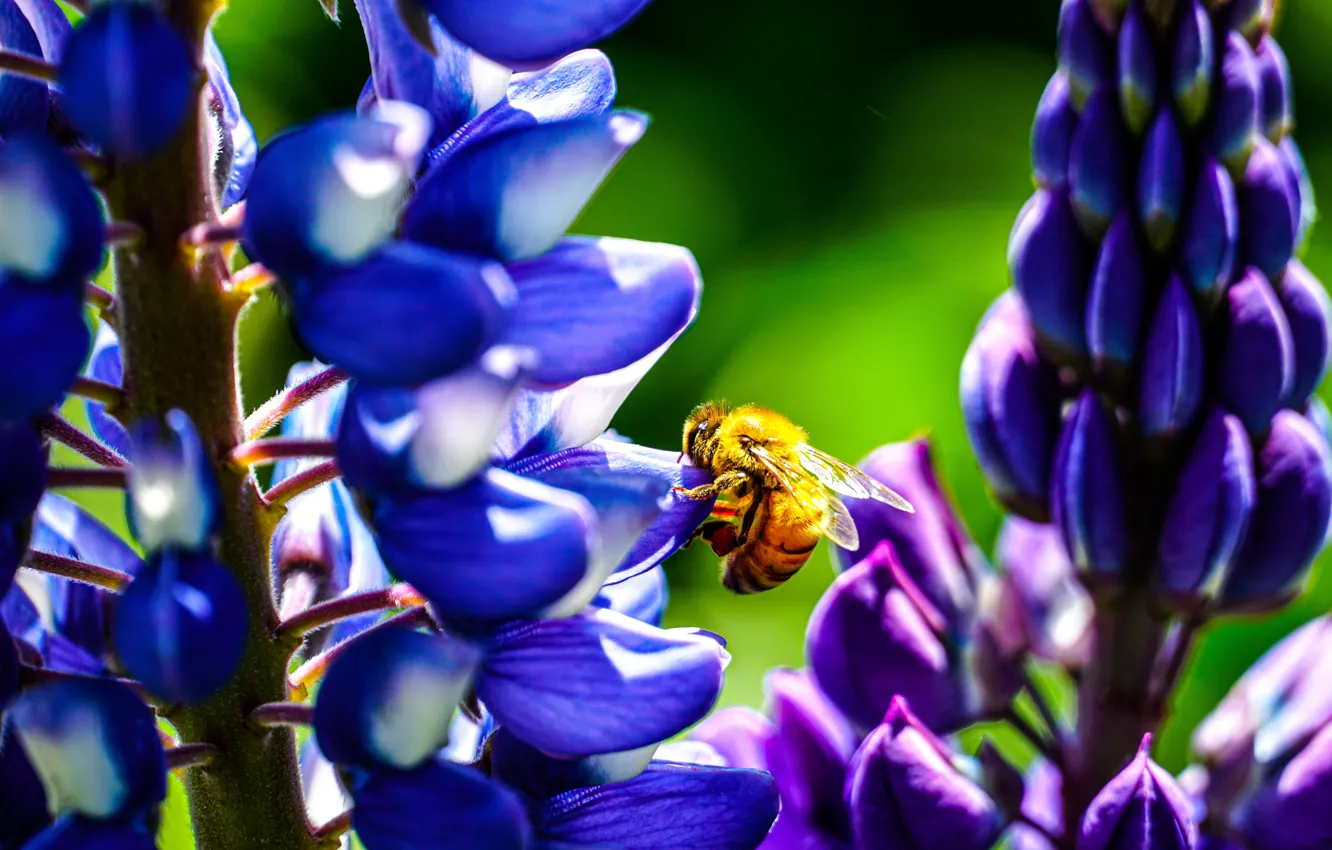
(779, 494)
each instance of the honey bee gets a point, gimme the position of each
(779, 494)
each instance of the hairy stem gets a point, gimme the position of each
(56, 428)
(178, 335)
(273, 411)
(336, 610)
(301, 482)
(58, 565)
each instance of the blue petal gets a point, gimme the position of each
(240, 146)
(171, 498)
(23, 101)
(590, 306)
(438, 435)
(495, 549)
(522, 766)
(22, 469)
(51, 230)
(23, 804)
(9, 666)
(43, 341)
(181, 626)
(364, 571)
(50, 24)
(600, 682)
(671, 529)
(522, 34)
(437, 803)
(452, 86)
(668, 806)
(548, 421)
(405, 315)
(67, 529)
(513, 195)
(642, 596)
(329, 192)
(76, 833)
(94, 744)
(105, 365)
(581, 85)
(79, 611)
(128, 78)
(388, 700)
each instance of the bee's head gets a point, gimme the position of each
(700, 431)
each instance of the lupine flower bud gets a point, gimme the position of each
(1137, 70)
(808, 756)
(1161, 181)
(171, 498)
(1142, 807)
(1041, 584)
(94, 744)
(1191, 74)
(1309, 313)
(1269, 207)
(512, 195)
(1235, 124)
(874, 635)
(739, 735)
(1299, 176)
(127, 78)
(1049, 263)
(1115, 305)
(1087, 496)
(904, 794)
(1290, 522)
(181, 626)
(1211, 236)
(1042, 804)
(1096, 164)
(932, 545)
(1052, 133)
(1258, 361)
(1288, 810)
(1085, 52)
(517, 35)
(329, 193)
(389, 699)
(1208, 513)
(1010, 407)
(1278, 115)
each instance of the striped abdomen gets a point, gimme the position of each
(780, 542)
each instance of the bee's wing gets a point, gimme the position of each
(833, 519)
(846, 479)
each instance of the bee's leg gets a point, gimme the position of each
(748, 521)
(706, 531)
(729, 482)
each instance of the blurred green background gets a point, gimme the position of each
(847, 175)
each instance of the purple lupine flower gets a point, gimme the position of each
(1141, 807)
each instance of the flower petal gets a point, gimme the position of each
(437, 802)
(452, 86)
(522, 766)
(668, 805)
(171, 498)
(239, 148)
(809, 754)
(574, 468)
(43, 341)
(181, 626)
(594, 305)
(94, 744)
(404, 315)
(388, 700)
(739, 734)
(599, 682)
(512, 196)
(23, 810)
(105, 365)
(76, 833)
(642, 595)
(25, 100)
(525, 35)
(52, 222)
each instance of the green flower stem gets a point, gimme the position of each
(177, 326)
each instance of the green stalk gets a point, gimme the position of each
(178, 338)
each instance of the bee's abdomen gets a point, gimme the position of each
(768, 559)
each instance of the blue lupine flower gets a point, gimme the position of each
(23, 469)
(1141, 807)
(95, 746)
(128, 78)
(522, 35)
